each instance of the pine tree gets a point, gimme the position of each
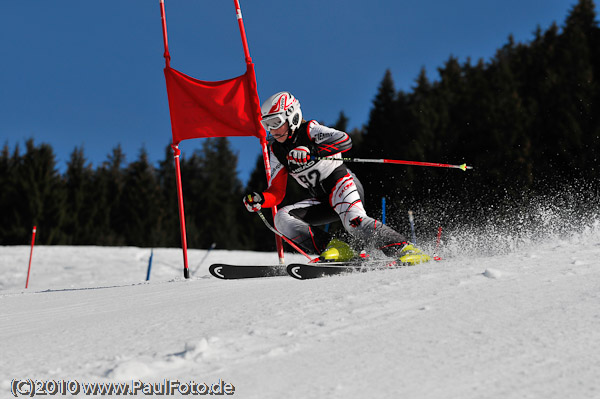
(219, 208)
(579, 115)
(80, 200)
(140, 205)
(451, 92)
(380, 139)
(342, 122)
(382, 119)
(193, 184)
(39, 197)
(110, 182)
(8, 199)
(507, 124)
(168, 224)
(212, 195)
(421, 115)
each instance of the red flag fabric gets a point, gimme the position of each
(213, 109)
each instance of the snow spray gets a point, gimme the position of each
(30, 256)
(411, 219)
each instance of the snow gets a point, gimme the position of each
(518, 323)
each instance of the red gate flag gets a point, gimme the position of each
(213, 109)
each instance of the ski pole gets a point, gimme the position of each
(274, 230)
(212, 246)
(462, 167)
(437, 244)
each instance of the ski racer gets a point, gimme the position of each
(336, 193)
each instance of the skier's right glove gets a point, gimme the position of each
(299, 155)
(253, 201)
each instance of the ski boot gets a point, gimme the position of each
(411, 255)
(337, 251)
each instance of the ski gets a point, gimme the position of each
(303, 271)
(231, 272)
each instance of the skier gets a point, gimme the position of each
(336, 193)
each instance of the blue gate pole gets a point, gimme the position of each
(383, 210)
(149, 264)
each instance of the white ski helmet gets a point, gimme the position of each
(279, 108)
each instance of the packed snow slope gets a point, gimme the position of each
(522, 322)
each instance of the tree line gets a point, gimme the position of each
(528, 120)
(121, 203)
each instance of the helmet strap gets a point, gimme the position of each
(290, 133)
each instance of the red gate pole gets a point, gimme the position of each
(263, 141)
(176, 154)
(164, 31)
(30, 256)
(278, 241)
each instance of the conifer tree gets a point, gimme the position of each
(168, 223)
(193, 190)
(381, 136)
(342, 122)
(382, 119)
(8, 198)
(110, 182)
(578, 113)
(506, 124)
(39, 197)
(141, 202)
(421, 116)
(217, 210)
(80, 200)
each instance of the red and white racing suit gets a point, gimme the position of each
(336, 193)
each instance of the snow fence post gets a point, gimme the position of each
(30, 256)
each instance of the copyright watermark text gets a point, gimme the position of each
(30, 388)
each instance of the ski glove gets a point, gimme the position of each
(299, 155)
(253, 201)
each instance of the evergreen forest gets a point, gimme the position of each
(527, 120)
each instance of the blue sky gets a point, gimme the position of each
(90, 73)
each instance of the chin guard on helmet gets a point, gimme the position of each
(278, 109)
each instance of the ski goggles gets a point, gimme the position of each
(272, 122)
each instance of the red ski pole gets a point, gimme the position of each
(462, 167)
(437, 244)
(30, 256)
(274, 230)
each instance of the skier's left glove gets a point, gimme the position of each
(299, 155)
(253, 201)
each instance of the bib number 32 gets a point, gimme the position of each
(311, 179)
